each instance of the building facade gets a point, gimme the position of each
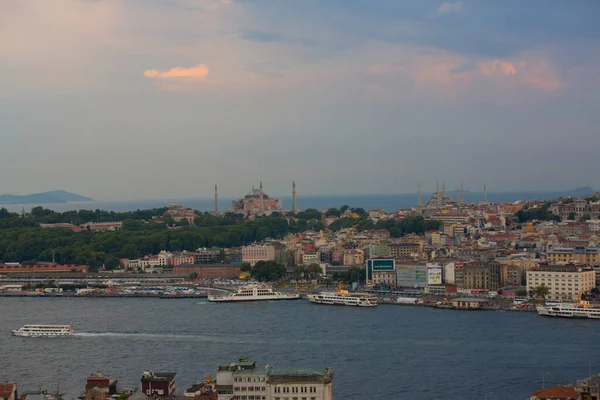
(481, 275)
(564, 282)
(209, 271)
(403, 251)
(256, 253)
(158, 384)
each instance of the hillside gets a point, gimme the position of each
(52, 197)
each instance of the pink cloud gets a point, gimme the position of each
(497, 67)
(199, 71)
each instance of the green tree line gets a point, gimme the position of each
(22, 239)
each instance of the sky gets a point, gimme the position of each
(133, 99)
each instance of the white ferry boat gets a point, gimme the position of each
(579, 309)
(44, 331)
(254, 292)
(343, 298)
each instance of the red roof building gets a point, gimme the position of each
(556, 393)
(8, 391)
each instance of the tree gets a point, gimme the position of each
(267, 271)
(111, 262)
(585, 217)
(572, 216)
(193, 276)
(245, 267)
(541, 291)
(314, 270)
(299, 272)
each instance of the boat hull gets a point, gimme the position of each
(233, 300)
(340, 302)
(568, 312)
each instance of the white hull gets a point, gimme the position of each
(27, 334)
(252, 298)
(254, 292)
(49, 331)
(335, 300)
(568, 312)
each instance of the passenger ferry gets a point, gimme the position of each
(255, 292)
(44, 331)
(579, 309)
(342, 298)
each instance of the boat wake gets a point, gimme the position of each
(146, 336)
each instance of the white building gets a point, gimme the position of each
(280, 383)
(256, 253)
(564, 282)
(310, 257)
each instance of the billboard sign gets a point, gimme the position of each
(434, 276)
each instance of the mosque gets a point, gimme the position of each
(257, 202)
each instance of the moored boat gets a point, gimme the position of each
(254, 292)
(44, 331)
(578, 309)
(342, 297)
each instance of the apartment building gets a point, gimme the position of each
(481, 275)
(403, 251)
(574, 255)
(256, 253)
(564, 282)
(248, 381)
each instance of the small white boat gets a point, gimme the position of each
(44, 331)
(343, 298)
(255, 292)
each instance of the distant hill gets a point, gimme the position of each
(53, 197)
(582, 191)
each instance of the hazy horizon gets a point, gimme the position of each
(147, 99)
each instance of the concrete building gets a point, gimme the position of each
(578, 208)
(575, 255)
(256, 253)
(209, 271)
(205, 256)
(404, 251)
(100, 387)
(481, 275)
(354, 257)
(564, 282)
(158, 384)
(411, 276)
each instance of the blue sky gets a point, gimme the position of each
(165, 98)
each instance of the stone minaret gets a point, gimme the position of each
(484, 194)
(216, 201)
(262, 201)
(462, 193)
(419, 195)
(294, 207)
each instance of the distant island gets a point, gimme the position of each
(52, 197)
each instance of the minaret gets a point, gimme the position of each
(216, 201)
(262, 202)
(419, 195)
(484, 194)
(462, 193)
(294, 207)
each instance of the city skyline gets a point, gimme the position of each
(132, 100)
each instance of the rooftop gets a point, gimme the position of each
(557, 392)
(7, 389)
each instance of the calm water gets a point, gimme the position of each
(389, 352)
(388, 202)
